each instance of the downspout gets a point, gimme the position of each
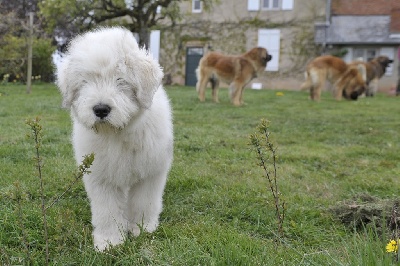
(328, 12)
(327, 23)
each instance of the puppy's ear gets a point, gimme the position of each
(64, 85)
(147, 74)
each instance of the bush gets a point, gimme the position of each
(14, 58)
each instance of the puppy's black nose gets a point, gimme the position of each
(269, 57)
(101, 110)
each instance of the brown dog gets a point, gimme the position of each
(237, 71)
(347, 81)
(375, 69)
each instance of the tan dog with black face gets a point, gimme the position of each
(348, 82)
(375, 69)
(236, 71)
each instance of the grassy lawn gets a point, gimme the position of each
(218, 209)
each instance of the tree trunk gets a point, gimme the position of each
(144, 37)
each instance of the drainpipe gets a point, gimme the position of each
(328, 12)
(327, 23)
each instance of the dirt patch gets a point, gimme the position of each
(367, 211)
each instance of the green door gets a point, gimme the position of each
(193, 56)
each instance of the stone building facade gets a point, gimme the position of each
(361, 30)
(293, 31)
(284, 27)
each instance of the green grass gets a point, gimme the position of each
(218, 209)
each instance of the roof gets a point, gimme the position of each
(369, 7)
(371, 29)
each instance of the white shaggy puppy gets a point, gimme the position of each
(121, 113)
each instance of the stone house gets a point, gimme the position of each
(284, 27)
(293, 31)
(361, 30)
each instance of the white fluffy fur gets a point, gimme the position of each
(132, 144)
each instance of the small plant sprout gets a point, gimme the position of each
(36, 129)
(83, 169)
(266, 154)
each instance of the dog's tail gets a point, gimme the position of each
(307, 84)
(198, 77)
(197, 73)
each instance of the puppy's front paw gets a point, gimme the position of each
(136, 229)
(101, 242)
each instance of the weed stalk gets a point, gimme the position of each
(82, 170)
(36, 129)
(266, 153)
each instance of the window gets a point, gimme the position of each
(154, 45)
(270, 4)
(367, 54)
(255, 5)
(364, 54)
(370, 54)
(270, 39)
(196, 6)
(358, 54)
(389, 52)
(195, 51)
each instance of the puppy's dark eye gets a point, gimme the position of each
(123, 85)
(122, 82)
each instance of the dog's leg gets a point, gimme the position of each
(317, 91)
(340, 85)
(106, 202)
(241, 90)
(312, 93)
(145, 204)
(317, 81)
(308, 85)
(215, 85)
(201, 84)
(372, 88)
(339, 90)
(242, 85)
(234, 92)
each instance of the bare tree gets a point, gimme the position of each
(68, 17)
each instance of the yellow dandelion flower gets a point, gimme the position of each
(279, 93)
(392, 246)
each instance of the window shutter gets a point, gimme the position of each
(287, 4)
(389, 52)
(253, 5)
(155, 44)
(270, 39)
